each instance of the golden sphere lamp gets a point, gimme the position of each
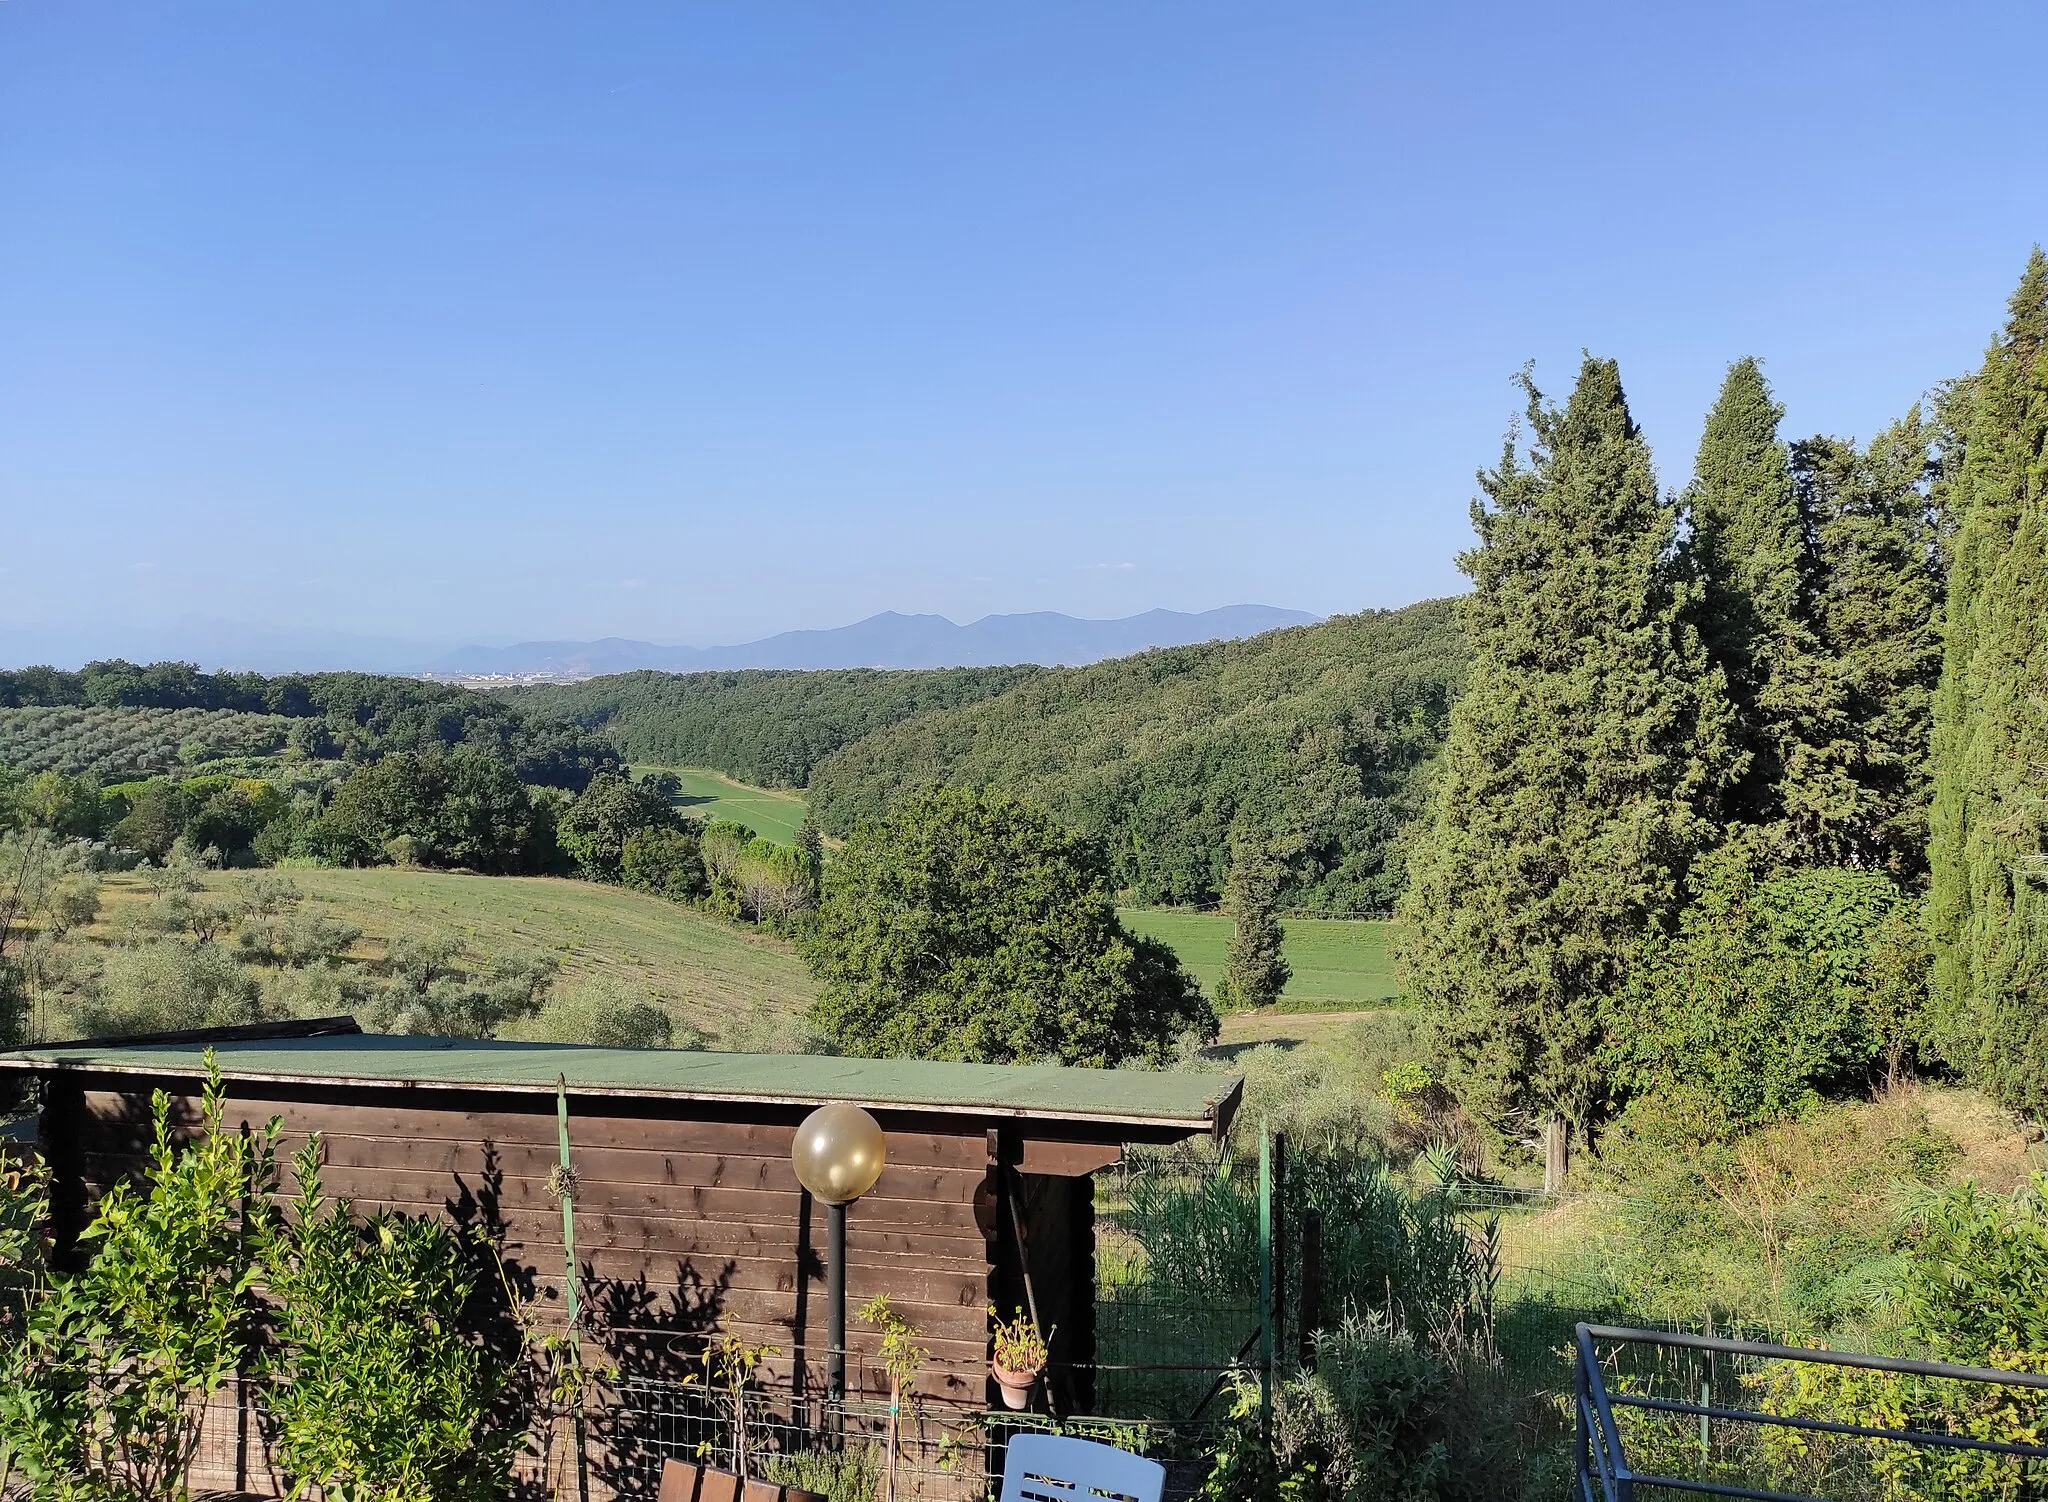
(839, 1152)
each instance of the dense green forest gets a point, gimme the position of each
(1316, 742)
(1737, 769)
(767, 728)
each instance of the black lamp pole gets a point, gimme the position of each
(838, 1154)
(835, 1302)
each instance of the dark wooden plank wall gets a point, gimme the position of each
(690, 1224)
(685, 1227)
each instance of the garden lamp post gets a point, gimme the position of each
(838, 1153)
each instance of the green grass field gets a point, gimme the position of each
(1338, 963)
(714, 974)
(771, 813)
(704, 970)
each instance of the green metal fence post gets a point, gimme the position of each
(1280, 1257)
(1707, 1401)
(1265, 1278)
(566, 1178)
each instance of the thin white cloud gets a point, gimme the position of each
(632, 584)
(1113, 568)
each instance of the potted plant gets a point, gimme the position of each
(1018, 1358)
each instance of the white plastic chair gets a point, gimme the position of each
(1053, 1468)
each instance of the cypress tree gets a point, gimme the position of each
(1566, 804)
(1753, 551)
(1878, 611)
(1988, 852)
(1254, 971)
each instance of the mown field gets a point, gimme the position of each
(711, 973)
(771, 814)
(704, 971)
(1339, 964)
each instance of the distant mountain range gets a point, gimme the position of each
(888, 640)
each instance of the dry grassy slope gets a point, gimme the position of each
(706, 972)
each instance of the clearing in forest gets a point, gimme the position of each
(1339, 963)
(772, 813)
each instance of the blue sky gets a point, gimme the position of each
(472, 322)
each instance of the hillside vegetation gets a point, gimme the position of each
(759, 726)
(115, 719)
(113, 743)
(1316, 740)
(711, 975)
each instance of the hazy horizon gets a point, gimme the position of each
(216, 643)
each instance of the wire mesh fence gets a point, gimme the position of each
(844, 1450)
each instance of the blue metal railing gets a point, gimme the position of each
(1604, 1472)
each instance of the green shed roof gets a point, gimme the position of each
(1183, 1100)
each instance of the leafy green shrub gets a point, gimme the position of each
(767, 1028)
(1246, 1466)
(1974, 1290)
(103, 1393)
(1328, 1098)
(293, 940)
(1388, 1414)
(166, 985)
(374, 1392)
(666, 862)
(609, 1014)
(1765, 996)
(74, 901)
(433, 988)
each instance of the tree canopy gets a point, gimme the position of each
(1988, 901)
(1590, 734)
(1749, 550)
(761, 726)
(1315, 742)
(967, 924)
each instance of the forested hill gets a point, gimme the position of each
(1316, 740)
(763, 726)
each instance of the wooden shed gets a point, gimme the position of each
(690, 1220)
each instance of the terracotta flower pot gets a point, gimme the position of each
(1016, 1386)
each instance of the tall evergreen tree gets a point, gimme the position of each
(1566, 805)
(1988, 897)
(1878, 610)
(1753, 551)
(1254, 970)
